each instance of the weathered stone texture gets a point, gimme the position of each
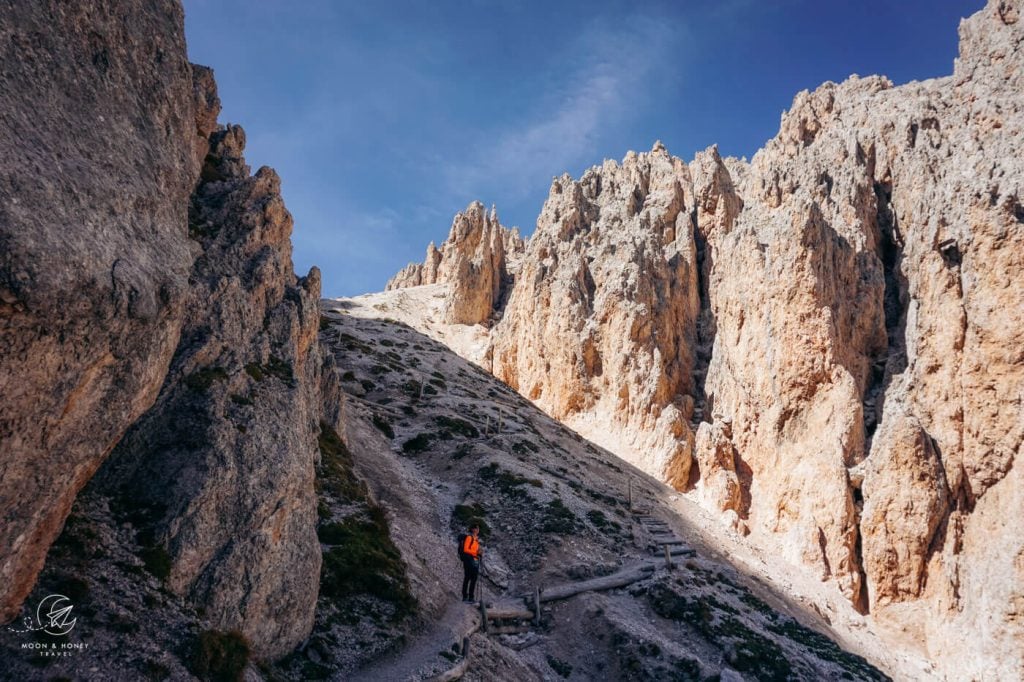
(97, 160)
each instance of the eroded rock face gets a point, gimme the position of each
(97, 160)
(863, 303)
(477, 261)
(602, 319)
(836, 320)
(221, 469)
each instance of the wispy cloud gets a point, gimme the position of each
(598, 82)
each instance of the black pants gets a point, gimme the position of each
(470, 571)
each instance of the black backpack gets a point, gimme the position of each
(462, 543)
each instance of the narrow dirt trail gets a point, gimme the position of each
(420, 658)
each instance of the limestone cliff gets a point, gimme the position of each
(97, 160)
(477, 261)
(233, 433)
(149, 303)
(602, 319)
(821, 343)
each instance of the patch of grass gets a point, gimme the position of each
(440, 383)
(417, 444)
(220, 656)
(202, 379)
(352, 343)
(240, 399)
(462, 451)
(383, 425)
(380, 370)
(466, 515)
(362, 559)
(348, 375)
(367, 385)
(558, 518)
(274, 367)
(507, 482)
(325, 323)
(335, 473)
(827, 650)
(561, 667)
(456, 425)
(387, 342)
(521, 447)
(597, 517)
(429, 390)
(750, 651)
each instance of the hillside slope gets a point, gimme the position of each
(423, 427)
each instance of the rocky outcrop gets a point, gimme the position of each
(477, 262)
(221, 469)
(602, 320)
(863, 302)
(835, 321)
(123, 283)
(98, 159)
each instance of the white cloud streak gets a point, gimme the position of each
(612, 72)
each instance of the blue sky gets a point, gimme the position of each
(385, 118)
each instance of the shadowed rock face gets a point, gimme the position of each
(123, 282)
(97, 159)
(222, 466)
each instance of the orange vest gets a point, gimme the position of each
(471, 547)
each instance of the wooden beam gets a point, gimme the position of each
(498, 612)
(621, 579)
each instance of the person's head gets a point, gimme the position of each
(474, 529)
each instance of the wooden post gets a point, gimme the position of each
(630, 493)
(465, 647)
(483, 615)
(668, 558)
(487, 429)
(499, 419)
(536, 606)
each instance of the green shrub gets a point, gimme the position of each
(240, 399)
(383, 425)
(335, 473)
(202, 379)
(362, 559)
(456, 425)
(561, 667)
(558, 518)
(506, 481)
(220, 656)
(417, 444)
(466, 515)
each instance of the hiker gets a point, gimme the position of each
(469, 551)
